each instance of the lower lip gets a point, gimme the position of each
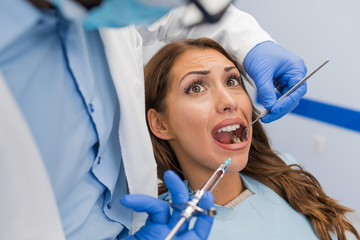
(233, 146)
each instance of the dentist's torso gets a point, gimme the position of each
(121, 150)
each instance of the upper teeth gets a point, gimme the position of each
(228, 128)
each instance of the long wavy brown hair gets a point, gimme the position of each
(298, 187)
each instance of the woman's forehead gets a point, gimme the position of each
(200, 59)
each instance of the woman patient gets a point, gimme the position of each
(197, 107)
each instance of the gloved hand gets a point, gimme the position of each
(160, 221)
(270, 65)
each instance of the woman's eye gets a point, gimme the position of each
(196, 88)
(232, 82)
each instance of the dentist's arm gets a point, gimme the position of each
(160, 221)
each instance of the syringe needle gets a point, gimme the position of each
(217, 175)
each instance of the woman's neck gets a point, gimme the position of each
(226, 190)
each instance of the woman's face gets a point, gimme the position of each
(206, 110)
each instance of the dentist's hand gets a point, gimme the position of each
(270, 66)
(160, 221)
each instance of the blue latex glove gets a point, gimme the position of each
(270, 65)
(160, 221)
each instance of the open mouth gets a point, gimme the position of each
(229, 134)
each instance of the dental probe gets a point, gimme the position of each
(192, 204)
(244, 135)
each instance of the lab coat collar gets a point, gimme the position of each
(123, 47)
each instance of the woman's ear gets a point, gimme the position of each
(158, 125)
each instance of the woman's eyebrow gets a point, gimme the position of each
(227, 69)
(195, 72)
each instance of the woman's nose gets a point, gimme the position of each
(225, 101)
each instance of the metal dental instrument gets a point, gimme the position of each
(191, 206)
(244, 135)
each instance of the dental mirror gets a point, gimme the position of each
(245, 133)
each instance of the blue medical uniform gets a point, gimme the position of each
(262, 216)
(59, 76)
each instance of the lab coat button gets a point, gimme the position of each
(109, 205)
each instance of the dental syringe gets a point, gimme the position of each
(191, 206)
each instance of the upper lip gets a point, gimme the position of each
(227, 122)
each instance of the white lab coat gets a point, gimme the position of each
(125, 49)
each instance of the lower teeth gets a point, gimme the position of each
(235, 139)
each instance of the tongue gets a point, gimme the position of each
(223, 137)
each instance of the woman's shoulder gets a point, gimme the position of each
(255, 185)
